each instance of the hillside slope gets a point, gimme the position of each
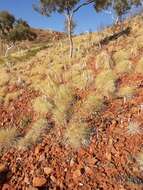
(74, 124)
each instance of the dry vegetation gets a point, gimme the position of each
(81, 98)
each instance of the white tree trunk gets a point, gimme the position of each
(8, 48)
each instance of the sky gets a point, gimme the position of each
(86, 19)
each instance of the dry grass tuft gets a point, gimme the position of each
(120, 56)
(4, 77)
(34, 135)
(139, 159)
(82, 80)
(105, 83)
(77, 134)
(41, 105)
(124, 66)
(8, 138)
(11, 96)
(104, 61)
(92, 103)
(126, 92)
(63, 100)
(133, 128)
(139, 67)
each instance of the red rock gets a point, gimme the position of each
(39, 181)
(47, 170)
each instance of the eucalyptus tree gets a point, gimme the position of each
(69, 8)
(13, 30)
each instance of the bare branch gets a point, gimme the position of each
(82, 5)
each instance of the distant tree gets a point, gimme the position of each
(12, 30)
(69, 7)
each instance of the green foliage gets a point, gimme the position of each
(12, 30)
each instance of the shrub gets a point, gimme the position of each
(8, 138)
(77, 134)
(41, 105)
(139, 67)
(105, 83)
(34, 135)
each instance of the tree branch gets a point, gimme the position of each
(82, 5)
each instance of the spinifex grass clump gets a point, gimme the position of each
(41, 105)
(124, 66)
(122, 62)
(4, 76)
(8, 138)
(63, 100)
(11, 96)
(92, 103)
(82, 80)
(133, 128)
(126, 92)
(104, 61)
(34, 135)
(139, 67)
(47, 87)
(77, 134)
(120, 55)
(105, 83)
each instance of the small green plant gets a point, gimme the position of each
(77, 134)
(105, 83)
(8, 138)
(34, 135)
(139, 67)
(133, 128)
(41, 105)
